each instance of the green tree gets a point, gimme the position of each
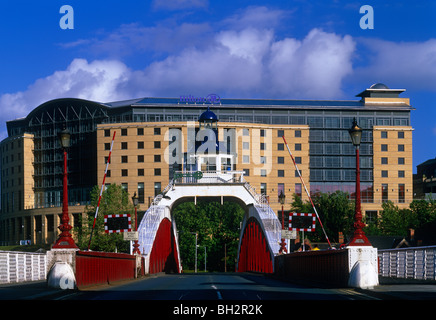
(395, 221)
(335, 211)
(218, 229)
(424, 211)
(114, 200)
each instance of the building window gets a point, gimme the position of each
(157, 144)
(140, 158)
(384, 173)
(156, 131)
(401, 147)
(298, 160)
(246, 172)
(384, 134)
(123, 159)
(401, 161)
(263, 173)
(124, 132)
(400, 134)
(140, 131)
(371, 217)
(280, 173)
(280, 188)
(297, 133)
(401, 174)
(298, 147)
(140, 172)
(263, 188)
(124, 172)
(157, 172)
(246, 145)
(141, 192)
(245, 159)
(157, 158)
(280, 133)
(107, 133)
(246, 132)
(262, 132)
(140, 144)
(107, 146)
(124, 145)
(401, 193)
(280, 146)
(384, 190)
(384, 160)
(280, 160)
(384, 147)
(262, 146)
(157, 188)
(298, 189)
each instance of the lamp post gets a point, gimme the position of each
(196, 246)
(282, 243)
(135, 201)
(359, 238)
(65, 240)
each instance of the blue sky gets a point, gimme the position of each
(260, 49)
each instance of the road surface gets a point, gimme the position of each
(213, 286)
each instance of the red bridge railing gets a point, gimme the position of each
(327, 266)
(93, 268)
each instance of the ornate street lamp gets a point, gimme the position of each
(359, 238)
(282, 243)
(65, 240)
(135, 203)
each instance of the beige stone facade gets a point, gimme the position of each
(151, 144)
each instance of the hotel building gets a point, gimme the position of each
(156, 137)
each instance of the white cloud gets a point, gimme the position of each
(98, 81)
(311, 68)
(239, 59)
(250, 63)
(410, 65)
(246, 63)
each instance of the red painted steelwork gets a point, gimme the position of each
(254, 254)
(163, 256)
(326, 266)
(103, 267)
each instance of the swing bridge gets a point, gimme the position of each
(260, 233)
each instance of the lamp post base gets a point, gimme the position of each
(65, 243)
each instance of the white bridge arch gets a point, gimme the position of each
(265, 233)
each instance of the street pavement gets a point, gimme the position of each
(219, 286)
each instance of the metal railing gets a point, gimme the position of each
(418, 263)
(22, 266)
(193, 177)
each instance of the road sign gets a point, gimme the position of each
(130, 235)
(302, 222)
(116, 223)
(289, 234)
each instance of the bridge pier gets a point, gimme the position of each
(349, 267)
(363, 267)
(61, 264)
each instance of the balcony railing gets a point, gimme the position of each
(194, 177)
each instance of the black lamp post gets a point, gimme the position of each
(282, 243)
(65, 240)
(359, 238)
(136, 244)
